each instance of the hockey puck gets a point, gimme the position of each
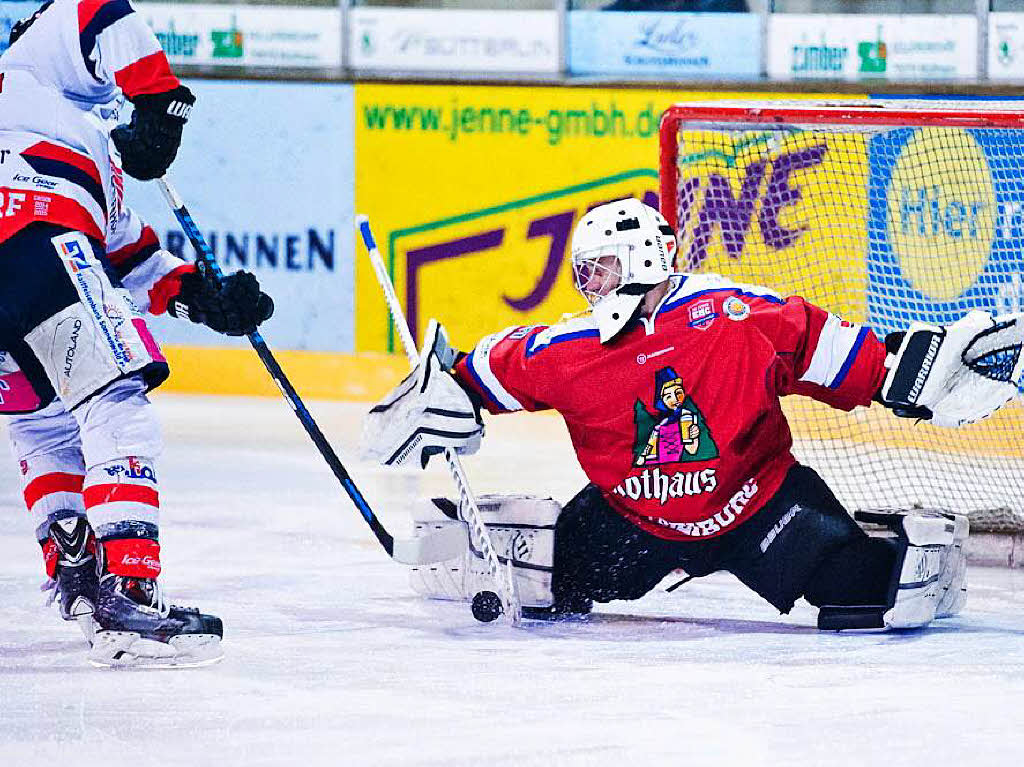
(486, 606)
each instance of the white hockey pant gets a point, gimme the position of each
(522, 528)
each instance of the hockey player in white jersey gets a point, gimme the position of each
(77, 267)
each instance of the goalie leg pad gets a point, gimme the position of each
(923, 538)
(929, 578)
(954, 571)
(522, 528)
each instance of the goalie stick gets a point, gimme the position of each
(438, 546)
(502, 575)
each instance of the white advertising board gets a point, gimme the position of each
(246, 35)
(863, 47)
(1006, 46)
(454, 40)
(267, 171)
(671, 44)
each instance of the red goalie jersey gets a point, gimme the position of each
(678, 419)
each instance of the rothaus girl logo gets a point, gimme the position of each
(676, 431)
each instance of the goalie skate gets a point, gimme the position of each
(137, 629)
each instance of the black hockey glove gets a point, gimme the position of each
(235, 308)
(149, 143)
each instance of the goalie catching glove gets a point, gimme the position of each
(424, 414)
(235, 307)
(957, 374)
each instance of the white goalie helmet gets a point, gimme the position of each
(619, 252)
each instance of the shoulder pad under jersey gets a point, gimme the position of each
(577, 327)
(695, 284)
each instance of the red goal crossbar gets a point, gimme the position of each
(882, 114)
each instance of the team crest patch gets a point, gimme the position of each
(735, 309)
(676, 431)
(702, 314)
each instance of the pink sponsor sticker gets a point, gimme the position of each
(17, 394)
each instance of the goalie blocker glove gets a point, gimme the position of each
(425, 414)
(956, 374)
(236, 307)
(149, 143)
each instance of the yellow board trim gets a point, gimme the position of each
(1001, 434)
(367, 376)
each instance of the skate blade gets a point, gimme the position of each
(87, 625)
(126, 649)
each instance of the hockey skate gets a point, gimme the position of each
(136, 628)
(75, 581)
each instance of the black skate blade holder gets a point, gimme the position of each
(844, 617)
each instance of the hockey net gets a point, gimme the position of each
(881, 212)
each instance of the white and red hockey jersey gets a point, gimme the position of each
(61, 87)
(62, 84)
(678, 420)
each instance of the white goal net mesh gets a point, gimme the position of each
(882, 214)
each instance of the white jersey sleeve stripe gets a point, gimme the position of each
(862, 334)
(131, 57)
(141, 280)
(836, 347)
(94, 18)
(479, 364)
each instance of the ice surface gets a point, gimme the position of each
(331, 659)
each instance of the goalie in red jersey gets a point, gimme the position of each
(670, 389)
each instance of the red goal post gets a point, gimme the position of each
(882, 212)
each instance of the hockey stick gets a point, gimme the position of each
(501, 575)
(438, 546)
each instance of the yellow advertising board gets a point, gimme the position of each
(473, 190)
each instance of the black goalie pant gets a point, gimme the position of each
(802, 543)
